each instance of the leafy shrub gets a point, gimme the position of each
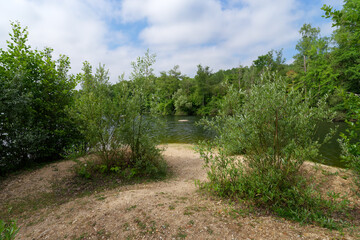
(8, 231)
(275, 128)
(118, 124)
(349, 141)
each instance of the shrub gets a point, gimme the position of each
(349, 141)
(118, 124)
(275, 128)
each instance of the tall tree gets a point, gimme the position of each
(308, 37)
(35, 92)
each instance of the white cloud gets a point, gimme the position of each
(221, 34)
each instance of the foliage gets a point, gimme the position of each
(35, 92)
(275, 128)
(350, 141)
(118, 123)
(8, 231)
(269, 61)
(99, 116)
(347, 50)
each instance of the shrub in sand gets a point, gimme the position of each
(275, 128)
(117, 125)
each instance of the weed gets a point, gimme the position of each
(152, 227)
(188, 212)
(165, 226)
(131, 208)
(8, 230)
(100, 198)
(209, 230)
(126, 226)
(181, 234)
(140, 224)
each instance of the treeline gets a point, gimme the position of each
(42, 116)
(323, 66)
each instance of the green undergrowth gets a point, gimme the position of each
(300, 202)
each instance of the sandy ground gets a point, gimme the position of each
(172, 209)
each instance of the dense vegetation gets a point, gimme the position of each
(273, 122)
(35, 92)
(267, 111)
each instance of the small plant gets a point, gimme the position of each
(181, 234)
(131, 208)
(8, 230)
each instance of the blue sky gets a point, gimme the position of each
(221, 34)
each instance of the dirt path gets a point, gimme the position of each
(172, 209)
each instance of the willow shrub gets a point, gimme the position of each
(117, 124)
(350, 140)
(275, 128)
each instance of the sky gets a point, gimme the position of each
(221, 34)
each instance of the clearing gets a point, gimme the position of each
(170, 209)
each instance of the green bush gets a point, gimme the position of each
(8, 230)
(349, 141)
(119, 127)
(275, 129)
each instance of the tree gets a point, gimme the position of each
(202, 86)
(35, 92)
(347, 49)
(308, 37)
(273, 60)
(166, 86)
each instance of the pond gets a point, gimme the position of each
(182, 129)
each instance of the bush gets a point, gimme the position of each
(118, 124)
(349, 141)
(275, 128)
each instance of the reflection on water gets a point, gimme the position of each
(182, 129)
(330, 152)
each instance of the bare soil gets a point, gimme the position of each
(170, 209)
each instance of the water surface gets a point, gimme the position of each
(182, 129)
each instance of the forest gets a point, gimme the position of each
(43, 118)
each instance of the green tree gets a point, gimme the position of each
(346, 52)
(202, 85)
(309, 35)
(166, 86)
(273, 60)
(35, 92)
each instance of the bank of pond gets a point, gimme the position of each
(183, 129)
